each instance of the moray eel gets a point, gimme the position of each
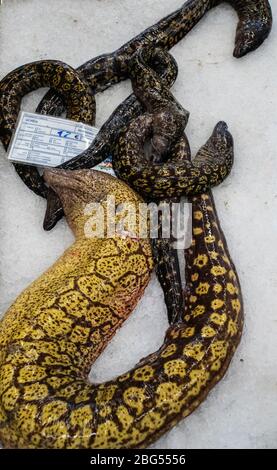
(46, 73)
(254, 25)
(164, 123)
(55, 329)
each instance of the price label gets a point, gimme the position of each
(48, 141)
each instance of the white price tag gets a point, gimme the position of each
(48, 141)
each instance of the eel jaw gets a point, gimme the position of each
(54, 211)
(67, 185)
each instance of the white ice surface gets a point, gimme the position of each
(241, 412)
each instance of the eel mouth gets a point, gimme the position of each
(64, 186)
(68, 181)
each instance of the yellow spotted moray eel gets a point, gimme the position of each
(55, 329)
(58, 326)
(254, 25)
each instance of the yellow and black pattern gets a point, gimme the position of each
(170, 174)
(59, 325)
(254, 26)
(56, 328)
(166, 67)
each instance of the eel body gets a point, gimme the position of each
(53, 332)
(171, 173)
(254, 26)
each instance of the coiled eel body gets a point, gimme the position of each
(255, 20)
(76, 93)
(53, 332)
(164, 123)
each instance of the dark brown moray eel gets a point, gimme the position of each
(255, 22)
(254, 25)
(164, 122)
